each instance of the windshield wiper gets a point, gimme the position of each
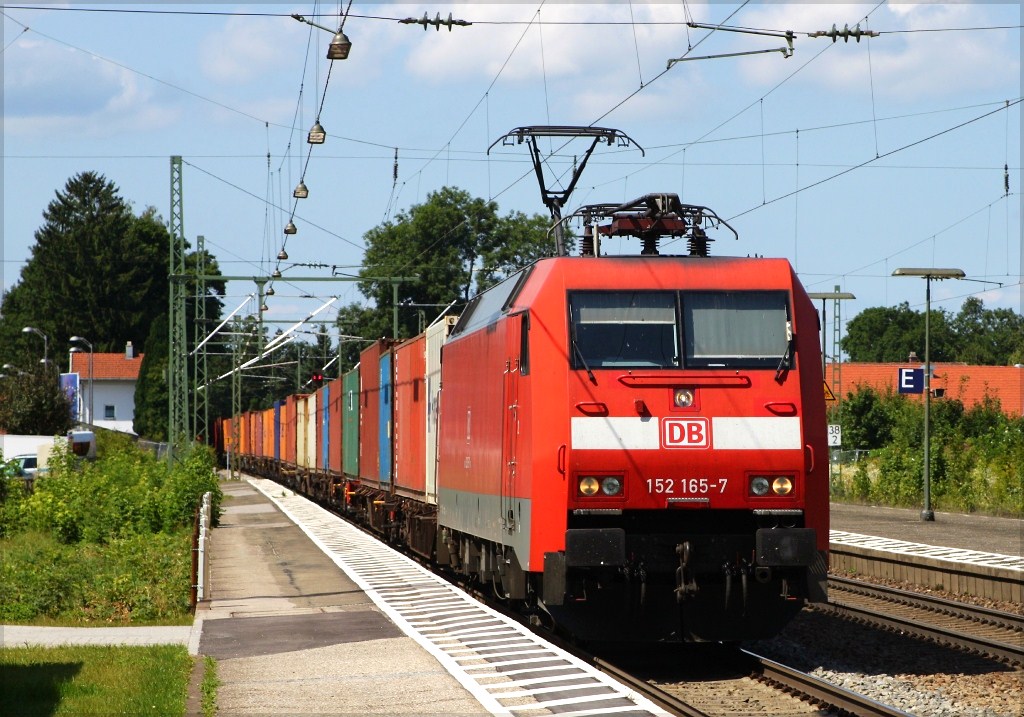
(576, 348)
(784, 362)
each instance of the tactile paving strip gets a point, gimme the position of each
(509, 669)
(952, 555)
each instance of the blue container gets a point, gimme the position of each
(386, 398)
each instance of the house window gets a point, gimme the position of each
(108, 412)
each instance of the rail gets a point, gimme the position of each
(999, 635)
(825, 692)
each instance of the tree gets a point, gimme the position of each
(151, 390)
(519, 241)
(988, 337)
(976, 335)
(444, 242)
(32, 403)
(96, 270)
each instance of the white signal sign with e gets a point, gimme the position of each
(835, 434)
(685, 433)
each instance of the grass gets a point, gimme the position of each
(94, 681)
(209, 686)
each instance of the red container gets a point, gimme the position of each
(256, 433)
(288, 425)
(369, 414)
(410, 426)
(267, 449)
(245, 428)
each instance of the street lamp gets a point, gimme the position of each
(928, 274)
(12, 367)
(340, 44)
(92, 378)
(46, 342)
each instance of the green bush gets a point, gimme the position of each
(108, 540)
(976, 462)
(138, 578)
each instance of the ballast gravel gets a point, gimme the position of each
(909, 674)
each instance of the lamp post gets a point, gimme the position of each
(92, 378)
(12, 367)
(928, 274)
(46, 342)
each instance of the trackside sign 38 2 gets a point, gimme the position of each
(685, 433)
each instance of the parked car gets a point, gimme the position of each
(25, 466)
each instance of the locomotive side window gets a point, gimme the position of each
(624, 329)
(741, 329)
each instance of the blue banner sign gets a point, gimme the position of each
(910, 380)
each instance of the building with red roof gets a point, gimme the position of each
(969, 384)
(106, 395)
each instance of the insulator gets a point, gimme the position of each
(698, 242)
(587, 244)
(650, 245)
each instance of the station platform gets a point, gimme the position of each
(971, 555)
(292, 634)
(979, 533)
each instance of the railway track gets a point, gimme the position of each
(995, 634)
(739, 683)
(517, 673)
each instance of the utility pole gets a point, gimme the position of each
(202, 413)
(177, 354)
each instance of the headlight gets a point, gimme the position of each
(782, 486)
(759, 485)
(611, 486)
(608, 485)
(682, 397)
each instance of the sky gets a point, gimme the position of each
(850, 159)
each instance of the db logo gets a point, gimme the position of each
(685, 433)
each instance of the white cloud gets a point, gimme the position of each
(51, 88)
(244, 49)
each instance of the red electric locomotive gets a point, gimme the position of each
(636, 444)
(632, 447)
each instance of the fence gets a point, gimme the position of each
(200, 552)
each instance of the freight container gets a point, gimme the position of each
(277, 430)
(305, 431)
(372, 424)
(288, 417)
(436, 335)
(351, 402)
(267, 450)
(410, 422)
(335, 400)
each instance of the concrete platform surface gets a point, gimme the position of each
(292, 634)
(954, 530)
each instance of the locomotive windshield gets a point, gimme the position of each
(645, 329)
(742, 329)
(624, 328)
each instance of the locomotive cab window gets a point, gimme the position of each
(623, 329)
(748, 329)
